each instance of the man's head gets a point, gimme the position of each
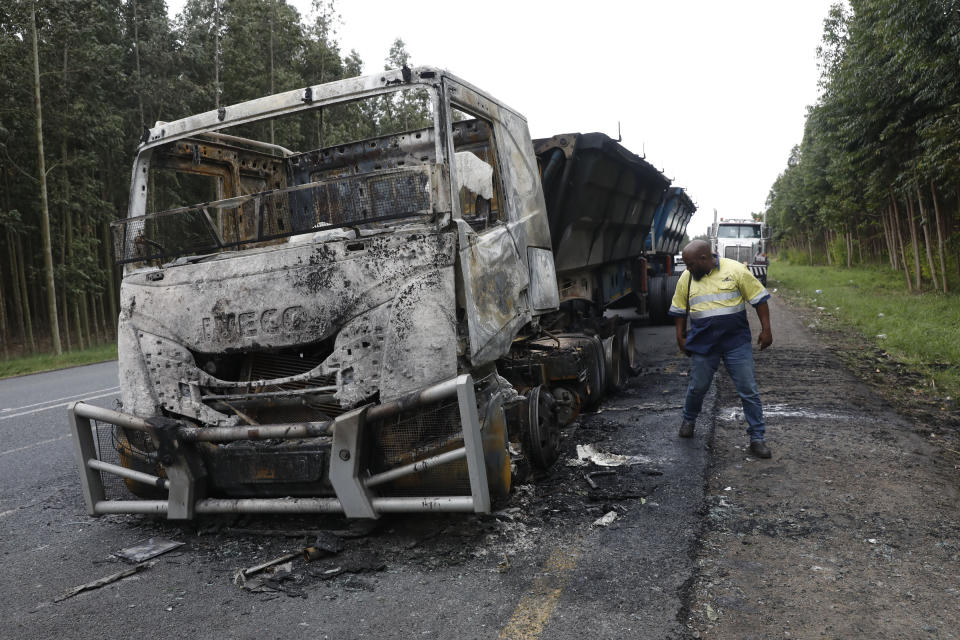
(698, 258)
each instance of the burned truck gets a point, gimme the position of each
(345, 299)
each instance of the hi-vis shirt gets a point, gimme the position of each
(718, 306)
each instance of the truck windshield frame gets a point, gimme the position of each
(252, 193)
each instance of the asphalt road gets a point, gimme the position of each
(538, 568)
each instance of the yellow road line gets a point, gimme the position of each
(535, 607)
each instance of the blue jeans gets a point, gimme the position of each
(739, 364)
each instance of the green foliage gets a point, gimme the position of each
(888, 119)
(46, 362)
(109, 68)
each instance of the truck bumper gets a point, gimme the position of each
(183, 472)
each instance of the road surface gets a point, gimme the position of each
(539, 568)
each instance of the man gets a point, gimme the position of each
(714, 295)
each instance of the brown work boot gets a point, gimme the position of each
(760, 449)
(686, 429)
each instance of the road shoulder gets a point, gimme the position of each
(851, 530)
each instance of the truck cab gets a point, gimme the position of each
(742, 240)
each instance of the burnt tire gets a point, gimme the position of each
(542, 439)
(624, 342)
(613, 363)
(631, 358)
(596, 371)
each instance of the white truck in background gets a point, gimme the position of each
(742, 240)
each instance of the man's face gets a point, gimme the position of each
(699, 264)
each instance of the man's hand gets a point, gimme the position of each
(765, 339)
(682, 343)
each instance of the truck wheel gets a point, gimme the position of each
(625, 340)
(669, 288)
(630, 362)
(656, 299)
(568, 405)
(543, 429)
(596, 373)
(613, 362)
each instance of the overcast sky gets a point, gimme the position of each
(713, 93)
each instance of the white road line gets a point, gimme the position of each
(35, 444)
(55, 406)
(76, 395)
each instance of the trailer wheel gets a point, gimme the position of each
(656, 294)
(661, 293)
(613, 363)
(670, 288)
(630, 363)
(623, 342)
(596, 374)
(543, 428)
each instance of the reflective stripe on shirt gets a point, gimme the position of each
(714, 297)
(719, 311)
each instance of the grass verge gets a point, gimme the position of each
(919, 333)
(50, 362)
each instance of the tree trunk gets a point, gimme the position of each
(4, 337)
(925, 225)
(888, 236)
(273, 11)
(216, 54)
(15, 286)
(25, 298)
(913, 241)
(826, 242)
(103, 318)
(74, 304)
(894, 243)
(936, 213)
(136, 53)
(903, 249)
(44, 205)
(111, 280)
(85, 318)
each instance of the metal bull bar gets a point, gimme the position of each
(355, 497)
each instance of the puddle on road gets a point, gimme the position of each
(730, 414)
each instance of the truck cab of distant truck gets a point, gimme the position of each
(743, 241)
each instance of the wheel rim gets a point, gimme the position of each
(543, 431)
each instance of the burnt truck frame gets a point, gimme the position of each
(366, 327)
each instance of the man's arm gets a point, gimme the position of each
(765, 339)
(681, 324)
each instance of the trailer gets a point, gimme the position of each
(663, 246)
(370, 296)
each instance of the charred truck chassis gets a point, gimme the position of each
(372, 326)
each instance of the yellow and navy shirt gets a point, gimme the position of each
(718, 306)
